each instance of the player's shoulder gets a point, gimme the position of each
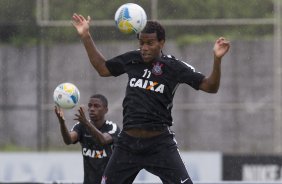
(112, 127)
(170, 58)
(133, 54)
(176, 62)
(110, 122)
(77, 124)
(130, 56)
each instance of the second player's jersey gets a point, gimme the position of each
(151, 87)
(95, 156)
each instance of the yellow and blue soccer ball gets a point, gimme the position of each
(130, 18)
(66, 95)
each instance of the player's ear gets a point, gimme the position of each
(162, 42)
(106, 110)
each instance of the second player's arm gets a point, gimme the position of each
(102, 138)
(68, 137)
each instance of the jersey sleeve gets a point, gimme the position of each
(77, 128)
(115, 66)
(118, 65)
(188, 75)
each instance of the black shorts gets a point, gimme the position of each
(158, 155)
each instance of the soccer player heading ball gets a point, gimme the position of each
(146, 141)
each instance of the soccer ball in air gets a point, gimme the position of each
(130, 18)
(66, 95)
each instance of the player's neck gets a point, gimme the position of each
(98, 124)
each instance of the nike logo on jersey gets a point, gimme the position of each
(146, 84)
(94, 153)
(134, 62)
(86, 135)
(183, 181)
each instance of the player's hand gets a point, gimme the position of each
(81, 116)
(60, 114)
(81, 24)
(221, 47)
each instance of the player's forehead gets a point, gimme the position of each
(95, 101)
(148, 37)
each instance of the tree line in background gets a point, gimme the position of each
(18, 19)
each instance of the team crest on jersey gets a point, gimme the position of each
(103, 181)
(157, 68)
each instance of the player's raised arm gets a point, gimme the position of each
(101, 138)
(96, 58)
(211, 83)
(68, 137)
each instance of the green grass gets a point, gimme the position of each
(16, 148)
(13, 148)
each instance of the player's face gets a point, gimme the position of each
(96, 109)
(150, 46)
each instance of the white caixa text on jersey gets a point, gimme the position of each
(146, 84)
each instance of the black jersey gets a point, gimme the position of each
(151, 87)
(95, 156)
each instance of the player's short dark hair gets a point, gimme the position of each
(102, 98)
(154, 27)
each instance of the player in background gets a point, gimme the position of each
(146, 141)
(96, 136)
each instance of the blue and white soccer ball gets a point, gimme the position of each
(130, 18)
(66, 95)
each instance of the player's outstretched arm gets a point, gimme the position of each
(211, 84)
(102, 138)
(95, 56)
(68, 137)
